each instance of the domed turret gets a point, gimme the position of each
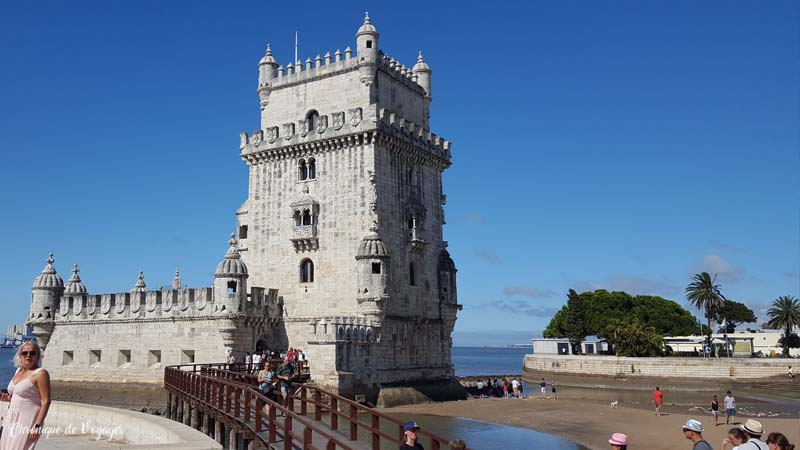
(140, 285)
(49, 279)
(230, 280)
(176, 280)
(423, 73)
(267, 68)
(367, 50)
(372, 262)
(74, 285)
(447, 277)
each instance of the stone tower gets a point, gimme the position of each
(344, 216)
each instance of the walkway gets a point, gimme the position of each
(225, 404)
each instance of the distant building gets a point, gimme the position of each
(742, 343)
(561, 346)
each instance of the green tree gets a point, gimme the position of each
(633, 338)
(734, 313)
(705, 295)
(785, 314)
(575, 321)
(792, 342)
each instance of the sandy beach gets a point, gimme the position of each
(590, 423)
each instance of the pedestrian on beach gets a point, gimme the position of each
(736, 437)
(457, 444)
(619, 441)
(791, 373)
(553, 387)
(730, 408)
(410, 437)
(515, 387)
(522, 389)
(658, 399)
(775, 441)
(753, 429)
(543, 387)
(28, 395)
(715, 410)
(505, 388)
(693, 431)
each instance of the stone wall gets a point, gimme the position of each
(730, 368)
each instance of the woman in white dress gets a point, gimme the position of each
(29, 397)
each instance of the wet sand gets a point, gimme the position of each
(590, 423)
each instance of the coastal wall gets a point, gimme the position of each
(612, 366)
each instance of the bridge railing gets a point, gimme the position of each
(307, 401)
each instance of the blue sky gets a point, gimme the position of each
(622, 145)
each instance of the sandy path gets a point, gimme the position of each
(591, 423)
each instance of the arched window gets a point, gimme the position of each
(312, 118)
(312, 168)
(412, 277)
(306, 271)
(231, 287)
(297, 218)
(301, 165)
(306, 217)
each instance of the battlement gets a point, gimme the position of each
(322, 66)
(274, 140)
(342, 329)
(399, 72)
(161, 304)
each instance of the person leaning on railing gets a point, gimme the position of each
(284, 375)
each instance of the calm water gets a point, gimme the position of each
(6, 366)
(488, 360)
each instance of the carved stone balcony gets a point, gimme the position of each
(304, 238)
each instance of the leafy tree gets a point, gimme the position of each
(705, 295)
(575, 321)
(598, 310)
(785, 313)
(633, 338)
(793, 342)
(734, 313)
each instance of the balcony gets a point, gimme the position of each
(304, 238)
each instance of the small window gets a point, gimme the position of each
(369, 44)
(95, 357)
(410, 176)
(67, 357)
(376, 268)
(313, 119)
(124, 358)
(301, 165)
(306, 271)
(412, 277)
(231, 287)
(307, 217)
(297, 218)
(243, 232)
(187, 356)
(154, 358)
(312, 168)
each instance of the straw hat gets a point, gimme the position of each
(618, 439)
(753, 427)
(693, 425)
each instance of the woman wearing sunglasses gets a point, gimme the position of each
(29, 394)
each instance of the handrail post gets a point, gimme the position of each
(303, 399)
(335, 413)
(307, 438)
(434, 444)
(272, 431)
(236, 402)
(227, 390)
(353, 424)
(247, 400)
(287, 433)
(317, 405)
(259, 413)
(376, 436)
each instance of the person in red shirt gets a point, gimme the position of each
(658, 398)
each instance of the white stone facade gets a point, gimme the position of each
(343, 220)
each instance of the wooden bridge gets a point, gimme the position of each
(223, 401)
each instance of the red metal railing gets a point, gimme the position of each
(233, 392)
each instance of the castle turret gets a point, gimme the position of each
(367, 50)
(74, 285)
(230, 280)
(373, 275)
(140, 285)
(267, 70)
(45, 297)
(176, 280)
(423, 74)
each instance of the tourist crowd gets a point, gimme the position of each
(503, 388)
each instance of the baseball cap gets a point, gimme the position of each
(410, 425)
(693, 425)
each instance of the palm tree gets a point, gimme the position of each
(705, 295)
(785, 313)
